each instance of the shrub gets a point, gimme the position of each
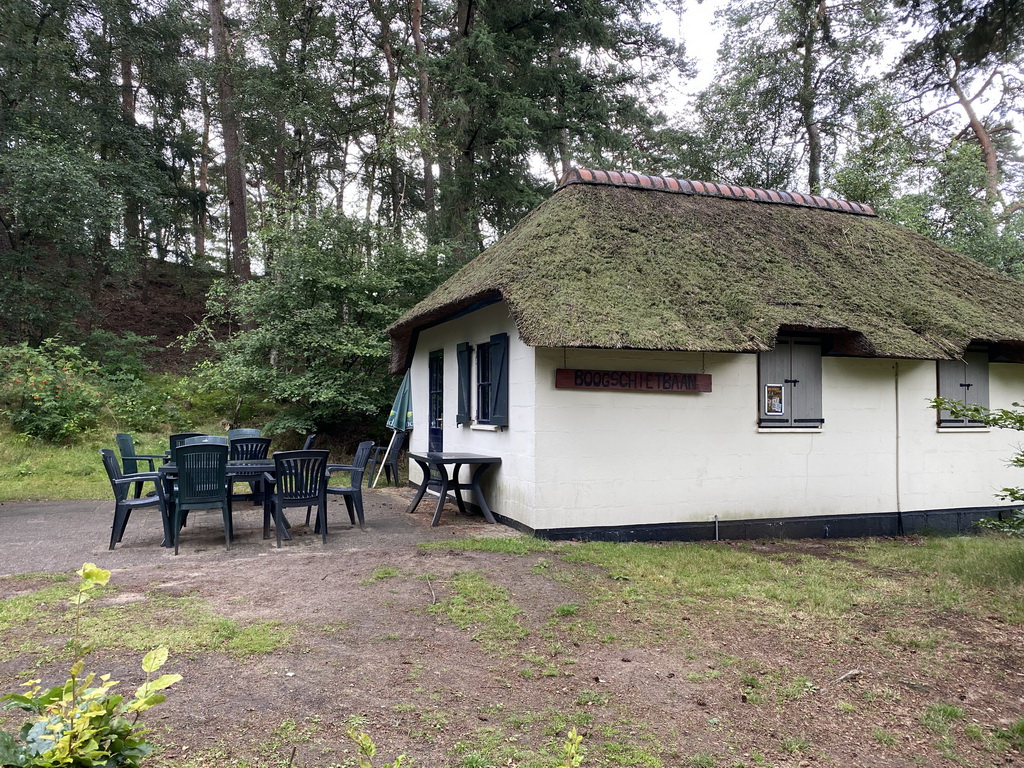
(48, 391)
(80, 723)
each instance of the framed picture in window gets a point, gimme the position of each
(774, 399)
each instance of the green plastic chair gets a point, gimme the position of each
(123, 505)
(300, 481)
(202, 484)
(352, 493)
(130, 459)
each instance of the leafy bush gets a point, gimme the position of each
(48, 391)
(136, 405)
(80, 724)
(117, 354)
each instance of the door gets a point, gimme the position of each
(435, 428)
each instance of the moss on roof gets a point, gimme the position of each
(619, 267)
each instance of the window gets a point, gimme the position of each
(965, 380)
(483, 383)
(491, 382)
(435, 394)
(790, 384)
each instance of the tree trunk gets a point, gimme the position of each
(202, 215)
(423, 116)
(132, 213)
(808, 96)
(234, 165)
(988, 151)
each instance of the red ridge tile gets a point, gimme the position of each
(711, 189)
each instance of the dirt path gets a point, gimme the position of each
(370, 641)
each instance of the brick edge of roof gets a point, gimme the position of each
(711, 189)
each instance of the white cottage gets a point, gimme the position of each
(663, 359)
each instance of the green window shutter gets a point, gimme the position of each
(499, 380)
(462, 358)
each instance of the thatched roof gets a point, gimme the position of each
(612, 262)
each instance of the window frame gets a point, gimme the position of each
(969, 373)
(483, 382)
(795, 360)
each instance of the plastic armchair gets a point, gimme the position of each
(353, 493)
(123, 506)
(130, 459)
(387, 457)
(202, 484)
(205, 440)
(300, 480)
(308, 445)
(178, 439)
(248, 449)
(237, 434)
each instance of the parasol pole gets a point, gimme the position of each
(384, 459)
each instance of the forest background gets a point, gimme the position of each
(275, 181)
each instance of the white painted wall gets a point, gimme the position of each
(510, 489)
(951, 468)
(575, 458)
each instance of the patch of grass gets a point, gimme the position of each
(184, 623)
(628, 753)
(702, 760)
(703, 677)
(883, 737)
(485, 607)
(795, 744)
(518, 545)
(38, 606)
(914, 639)
(1012, 736)
(589, 698)
(380, 574)
(938, 718)
(568, 609)
(796, 688)
(664, 577)
(981, 573)
(845, 706)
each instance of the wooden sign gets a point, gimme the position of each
(632, 381)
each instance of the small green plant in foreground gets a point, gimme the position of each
(367, 749)
(79, 723)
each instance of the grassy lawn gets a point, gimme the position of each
(483, 653)
(31, 469)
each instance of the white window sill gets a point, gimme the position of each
(484, 427)
(963, 429)
(790, 430)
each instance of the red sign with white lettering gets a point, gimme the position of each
(632, 381)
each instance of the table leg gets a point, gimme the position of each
(457, 485)
(423, 486)
(477, 474)
(169, 515)
(445, 481)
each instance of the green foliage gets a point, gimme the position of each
(57, 393)
(311, 334)
(49, 391)
(487, 608)
(367, 749)
(952, 210)
(83, 722)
